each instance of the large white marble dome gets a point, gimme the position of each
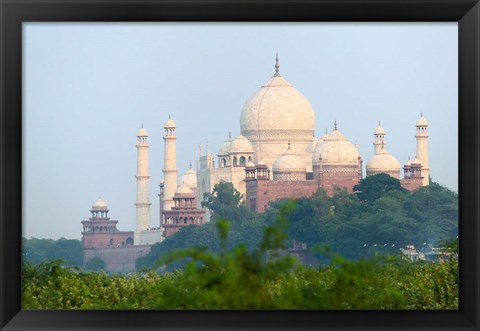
(277, 106)
(275, 115)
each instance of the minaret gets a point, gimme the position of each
(379, 139)
(170, 165)
(143, 201)
(422, 148)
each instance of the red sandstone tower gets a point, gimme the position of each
(99, 231)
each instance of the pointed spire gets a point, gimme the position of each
(190, 164)
(229, 134)
(335, 125)
(326, 131)
(169, 116)
(277, 74)
(421, 114)
(379, 123)
(142, 125)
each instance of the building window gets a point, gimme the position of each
(235, 161)
(242, 161)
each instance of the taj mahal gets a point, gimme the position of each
(276, 156)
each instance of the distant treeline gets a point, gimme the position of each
(36, 251)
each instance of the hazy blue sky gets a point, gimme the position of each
(89, 87)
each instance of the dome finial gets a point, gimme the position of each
(379, 123)
(142, 125)
(335, 125)
(229, 134)
(276, 66)
(190, 164)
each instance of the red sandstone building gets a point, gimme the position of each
(184, 212)
(102, 239)
(99, 231)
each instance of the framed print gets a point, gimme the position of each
(124, 123)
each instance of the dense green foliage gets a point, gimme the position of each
(371, 188)
(39, 250)
(237, 278)
(364, 284)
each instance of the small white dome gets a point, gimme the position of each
(100, 204)
(262, 163)
(241, 145)
(383, 162)
(289, 162)
(225, 148)
(189, 178)
(379, 130)
(416, 162)
(142, 133)
(169, 124)
(408, 163)
(335, 149)
(250, 164)
(422, 121)
(183, 189)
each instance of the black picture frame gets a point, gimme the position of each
(14, 12)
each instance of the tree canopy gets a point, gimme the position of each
(36, 250)
(373, 187)
(225, 201)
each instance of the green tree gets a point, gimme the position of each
(435, 207)
(225, 202)
(373, 187)
(39, 250)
